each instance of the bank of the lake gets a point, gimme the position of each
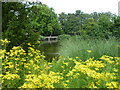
(79, 47)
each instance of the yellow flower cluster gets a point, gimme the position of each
(5, 41)
(118, 46)
(32, 71)
(94, 63)
(112, 85)
(16, 63)
(89, 51)
(85, 70)
(92, 69)
(43, 80)
(10, 76)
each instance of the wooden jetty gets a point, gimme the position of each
(51, 38)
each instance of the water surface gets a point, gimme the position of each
(50, 49)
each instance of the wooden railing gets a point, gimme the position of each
(48, 38)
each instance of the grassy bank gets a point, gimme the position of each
(87, 48)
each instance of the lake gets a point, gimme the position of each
(50, 49)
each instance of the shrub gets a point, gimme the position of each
(63, 36)
(41, 37)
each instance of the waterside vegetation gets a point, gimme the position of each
(31, 70)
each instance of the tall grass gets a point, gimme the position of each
(77, 47)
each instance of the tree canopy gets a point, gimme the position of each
(95, 24)
(24, 22)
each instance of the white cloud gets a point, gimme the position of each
(87, 6)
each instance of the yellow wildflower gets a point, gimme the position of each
(112, 85)
(66, 64)
(29, 44)
(70, 58)
(67, 81)
(62, 66)
(76, 57)
(118, 46)
(89, 51)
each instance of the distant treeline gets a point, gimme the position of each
(95, 24)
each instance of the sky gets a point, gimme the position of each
(86, 6)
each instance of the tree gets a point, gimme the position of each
(43, 19)
(14, 19)
(63, 21)
(105, 25)
(95, 16)
(115, 28)
(72, 23)
(24, 22)
(90, 27)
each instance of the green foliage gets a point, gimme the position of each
(43, 19)
(91, 27)
(14, 20)
(116, 27)
(64, 37)
(41, 37)
(103, 25)
(24, 22)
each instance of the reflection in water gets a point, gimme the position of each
(50, 49)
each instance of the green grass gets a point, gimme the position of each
(77, 47)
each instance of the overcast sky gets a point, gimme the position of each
(86, 6)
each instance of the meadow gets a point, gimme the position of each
(31, 70)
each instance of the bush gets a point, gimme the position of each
(41, 37)
(64, 37)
